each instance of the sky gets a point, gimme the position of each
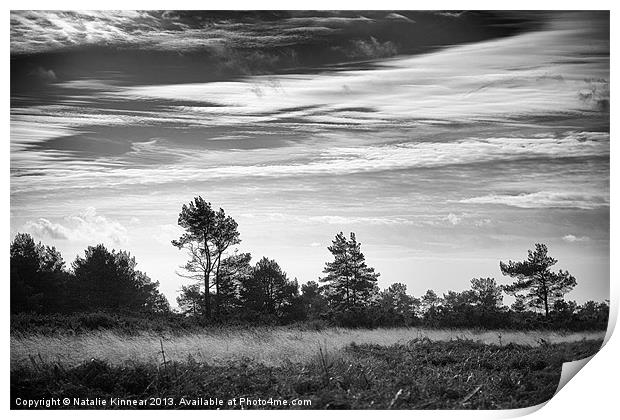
(447, 141)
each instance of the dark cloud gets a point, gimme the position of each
(194, 46)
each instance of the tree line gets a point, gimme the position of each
(101, 280)
(225, 287)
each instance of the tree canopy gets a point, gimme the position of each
(37, 276)
(208, 235)
(101, 280)
(535, 283)
(268, 290)
(108, 280)
(350, 282)
(396, 307)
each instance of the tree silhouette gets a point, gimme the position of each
(487, 294)
(430, 303)
(208, 234)
(37, 276)
(596, 313)
(234, 270)
(487, 298)
(268, 291)
(518, 305)
(457, 308)
(108, 280)
(156, 302)
(226, 235)
(534, 278)
(313, 301)
(350, 282)
(191, 300)
(396, 307)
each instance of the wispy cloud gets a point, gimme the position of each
(545, 199)
(36, 31)
(198, 165)
(348, 220)
(476, 87)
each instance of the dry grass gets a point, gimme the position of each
(272, 347)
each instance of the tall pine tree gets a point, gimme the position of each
(208, 235)
(351, 284)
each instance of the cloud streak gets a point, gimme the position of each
(573, 238)
(453, 84)
(331, 161)
(545, 199)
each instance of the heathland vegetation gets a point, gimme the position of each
(418, 374)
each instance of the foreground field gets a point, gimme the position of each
(419, 374)
(267, 346)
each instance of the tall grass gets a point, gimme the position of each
(269, 346)
(421, 374)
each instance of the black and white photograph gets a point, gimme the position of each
(306, 209)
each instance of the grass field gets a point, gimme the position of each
(268, 346)
(417, 374)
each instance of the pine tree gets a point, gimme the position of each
(351, 283)
(235, 270)
(396, 307)
(191, 300)
(268, 291)
(108, 280)
(313, 301)
(430, 303)
(487, 294)
(518, 305)
(37, 276)
(208, 234)
(541, 286)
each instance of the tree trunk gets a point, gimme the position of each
(207, 298)
(347, 282)
(207, 274)
(217, 287)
